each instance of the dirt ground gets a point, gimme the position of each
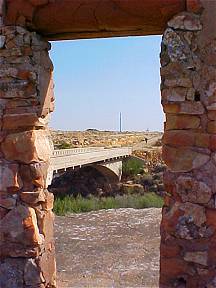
(108, 248)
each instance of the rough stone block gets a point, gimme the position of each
(179, 138)
(19, 227)
(193, 191)
(171, 108)
(183, 159)
(211, 127)
(174, 94)
(182, 122)
(16, 121)
(27, 147)
(198, 257)
(195, 108)
(10, 180)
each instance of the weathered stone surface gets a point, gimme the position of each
(200, 257)
(194, 6)
(212, 115)
(213, 142)
(35, 173)
(33, 197)
(183, 159)
(48, 266)
(202, 140)
(211, 127)
(7, 201)
(2, 41)
(175, 94)
(182, 82)
(179, 138)
(171, 108)
(186, 21)
(193, 191)
(22, 231)
(26, 97)
(27, 146)
(10, 178)
(195, 108)
(88, 21)
(49, 200)
(32, 273)
(182, 122)
(14, 121)
(11, 271)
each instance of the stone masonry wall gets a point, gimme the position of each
(188, 87)
(26, 218)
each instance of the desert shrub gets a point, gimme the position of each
(147, 180)
(63, 145)
(132, 167)
(69, 204)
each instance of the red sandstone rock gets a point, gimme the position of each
(49, 200)
(179, 138)
(181, 82)
(199, 257)
(212, 115)
(32, 273)
(14, 121)
(24, 230)
(213, 142)
(7, 201)
(195, 108)
(33, 197)
(174, 94)
(38, 2)
(170, 250)
(194, 6)
(182, 122)
(186, 21)
(45, 219)
(171, 268)
(3, 212)
(27, 146)
(202, 140)
(183, 159)
(10, 179)
(193, 191)
(172, 108)
(35, 173)
(47, 265)
(211, 127)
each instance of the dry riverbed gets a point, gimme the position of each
(108, 248)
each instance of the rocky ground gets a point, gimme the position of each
(108, 248)
(91, 137)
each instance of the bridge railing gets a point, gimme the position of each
(65, 152)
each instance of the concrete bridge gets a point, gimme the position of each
(107, 161)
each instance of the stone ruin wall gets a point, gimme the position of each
(188, 89)
(26, 99)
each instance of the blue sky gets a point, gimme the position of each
(96, 79)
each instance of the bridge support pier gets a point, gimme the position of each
(188, 72)
(26, 99)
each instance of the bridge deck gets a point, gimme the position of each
(66, 158)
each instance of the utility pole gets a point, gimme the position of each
(120, 122)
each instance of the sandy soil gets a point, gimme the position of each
(112, 248)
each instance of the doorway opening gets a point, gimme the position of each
(95, 81)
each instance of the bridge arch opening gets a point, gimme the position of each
(90, 180)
